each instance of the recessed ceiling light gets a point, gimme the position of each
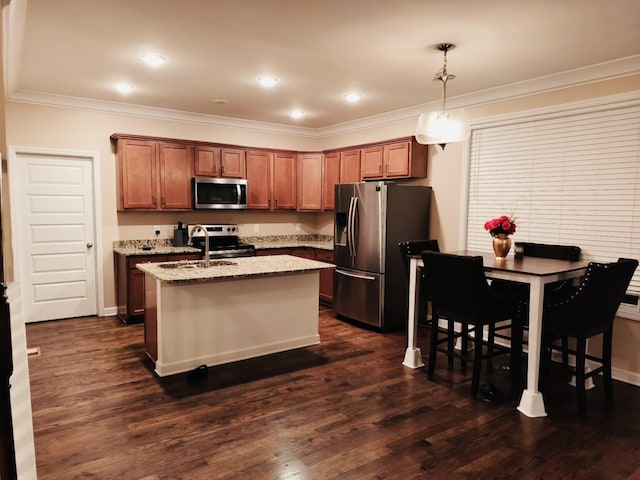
(220, 100)
(296, 114)
(268, 81)
(352, 97)
(123, 87)
(153, 60)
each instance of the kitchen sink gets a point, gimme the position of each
(196, 264)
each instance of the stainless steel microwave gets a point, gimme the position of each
(219, 193)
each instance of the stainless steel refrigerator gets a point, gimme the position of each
(371, 218)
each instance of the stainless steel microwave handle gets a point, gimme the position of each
(239, 192)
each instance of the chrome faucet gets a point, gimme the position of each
(195, 228)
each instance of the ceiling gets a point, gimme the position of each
(73, 51)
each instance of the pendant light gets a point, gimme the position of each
(443, 126)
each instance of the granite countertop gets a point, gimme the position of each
(164, 246)
(232, 268)
(158, 247)
(322, 242)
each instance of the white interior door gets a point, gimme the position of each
(55, 222)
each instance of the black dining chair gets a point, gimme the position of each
(587, 312)
(551, 291)
(459, 291)
(416, 247)
(413, 248)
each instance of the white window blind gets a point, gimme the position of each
(572, 179)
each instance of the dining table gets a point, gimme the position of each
(535, 271)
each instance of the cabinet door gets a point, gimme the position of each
(176, 171)
(330, 176)
(310, 182)
(284, 181)
(135, 283)
(326, 276)
(396, 160)
(138, 174)
(232, 163)
(258, 180)
(371, 162)
(350, 166)
(207, 161)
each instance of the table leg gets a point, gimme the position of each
(413, 356)
(532, 403)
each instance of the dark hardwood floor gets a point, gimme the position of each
(344, 409)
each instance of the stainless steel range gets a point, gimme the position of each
(223, 241)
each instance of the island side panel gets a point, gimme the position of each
(151, 316)
(210, 323)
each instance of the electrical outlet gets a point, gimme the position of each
(256, 228)
(156, 230)
(297, 227)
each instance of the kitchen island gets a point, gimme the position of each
(234, 309)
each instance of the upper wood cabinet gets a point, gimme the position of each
(330, 176)
(398, 159)
(271, 180)
(219, 162)
(284, 181)
(154, 175)
(309, 181)
(350, 166)
(176, 172)
(339, 167)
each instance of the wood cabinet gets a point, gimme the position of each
(339, 167)
(220, 162)
(154, 175)
(398, 159)
(130, 282)
(271, 180)
(309, 178)
(326, 276)
(330, 177)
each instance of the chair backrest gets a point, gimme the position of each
(416, 247)
(545, 250)
(458, 287)
(594, 305)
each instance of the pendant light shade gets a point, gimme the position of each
(443, 126)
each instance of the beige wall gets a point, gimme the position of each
(59, 128)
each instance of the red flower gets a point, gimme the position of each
(503, 225)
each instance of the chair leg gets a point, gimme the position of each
(581, 347)
(477, 367)
(450, 342)
(464, 352)
(491, 337)
(433, 347)
(565, 352)
(606, 368)
(516, 356)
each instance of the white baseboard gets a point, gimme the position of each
(110, 311)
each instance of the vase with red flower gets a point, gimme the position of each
(500, 228)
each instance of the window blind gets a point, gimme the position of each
(572, 179)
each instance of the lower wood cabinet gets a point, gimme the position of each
(326, 276)
(130, 282)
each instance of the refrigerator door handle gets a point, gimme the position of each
(353, 208)
(350, 228)
(355, 275)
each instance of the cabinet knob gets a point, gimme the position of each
(89, 245)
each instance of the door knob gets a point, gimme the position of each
(89, 245)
